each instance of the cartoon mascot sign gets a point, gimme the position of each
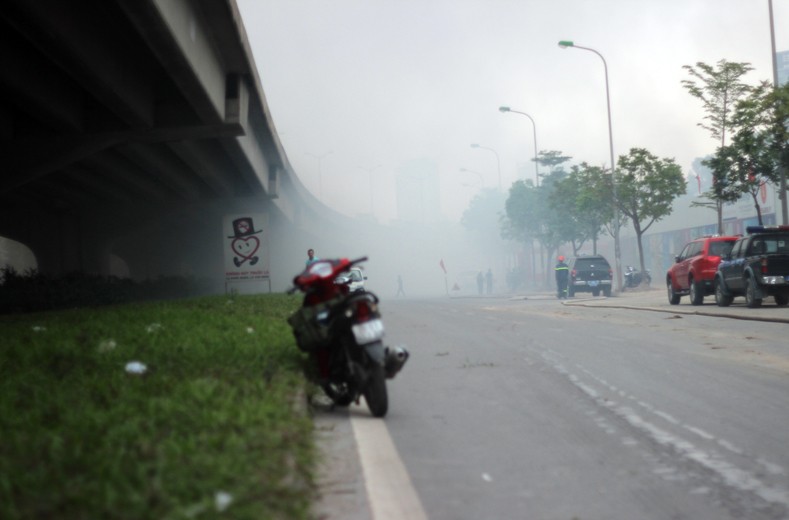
(246, 248)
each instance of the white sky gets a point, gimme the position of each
(383, 82)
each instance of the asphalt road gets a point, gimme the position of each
(597, 408)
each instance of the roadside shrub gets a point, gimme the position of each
(35, 292)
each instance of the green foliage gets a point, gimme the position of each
(758, 148)
(585, 197)
(217, 411)
(523, 208)
(646, 188)
(777, 120)
(529, 213)
(719, 88)
(483, 216)
(552, 160)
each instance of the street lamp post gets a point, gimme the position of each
(320, 172)
(782, 183)
(564, 44)
(534, 125)
(498, 162)
(370, 173)
(481, 181)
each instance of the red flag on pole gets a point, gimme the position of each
(441, 263)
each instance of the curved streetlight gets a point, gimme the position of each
(320, 172)
(564, 44)
(481, 181)
(504, 110)
(498, 162)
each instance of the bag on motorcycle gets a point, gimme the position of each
(308, 330)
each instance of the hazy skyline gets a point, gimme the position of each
(384, 82)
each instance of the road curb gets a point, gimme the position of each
(679, 311)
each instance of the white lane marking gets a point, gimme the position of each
(731, 475)
(389, 490)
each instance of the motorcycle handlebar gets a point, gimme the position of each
(359, 260)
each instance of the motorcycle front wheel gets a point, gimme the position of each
(341, 394)
(375, 392)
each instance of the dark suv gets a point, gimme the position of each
(589, 273)
(694, 269)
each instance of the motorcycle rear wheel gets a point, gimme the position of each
(375, 392)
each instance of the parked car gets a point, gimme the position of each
(694, 269)
(757, 267)
(589, 273)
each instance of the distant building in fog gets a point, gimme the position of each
(783, 67)
(417, 191)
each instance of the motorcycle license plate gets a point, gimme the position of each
(593, 283)
(368, 331)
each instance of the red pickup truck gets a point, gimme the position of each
(695, 267)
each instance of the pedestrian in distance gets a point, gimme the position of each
(400, 286)
(562, 271)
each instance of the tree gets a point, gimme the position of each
(778, 126)
(718, 88)
(748, 162)
(585, 201)
(758, 148)
(646, 189)
(524, 210)
(552, 160)
(481, 219)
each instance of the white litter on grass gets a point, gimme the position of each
(487, 478)
(250, 330)
(135, 367)
(107, 345)
(38, 328)
(153, 327)
(222, 500)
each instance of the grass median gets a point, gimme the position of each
(186, 409)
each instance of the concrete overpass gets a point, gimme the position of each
(128, 129)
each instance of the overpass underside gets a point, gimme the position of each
(128, 129)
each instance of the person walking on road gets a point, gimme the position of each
(400, 290)
(562, 271)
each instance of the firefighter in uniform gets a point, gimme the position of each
(562, 274)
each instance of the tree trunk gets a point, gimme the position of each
(639, 233)
(533, 264)
(757, 206)
(549, 278)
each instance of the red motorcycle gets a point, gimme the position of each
(343, 333)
